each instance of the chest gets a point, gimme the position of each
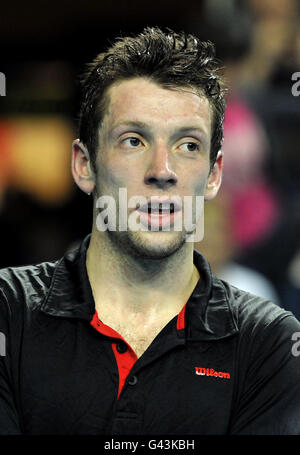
(69, 380)
(139, 340)
(138, 332)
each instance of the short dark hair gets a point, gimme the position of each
(168, 58)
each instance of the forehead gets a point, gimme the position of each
(146, 101)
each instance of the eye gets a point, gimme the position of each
(190, 147)
(132, 141)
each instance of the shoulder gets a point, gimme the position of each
(249, 280)
(258, 319)
(25, 284)
(263, 326)
(249, 308)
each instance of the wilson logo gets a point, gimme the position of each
(211, 372)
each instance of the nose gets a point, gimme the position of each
(158, 173)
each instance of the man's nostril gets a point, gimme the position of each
(161, 182)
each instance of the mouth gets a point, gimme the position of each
(159, 214)
(160, 207)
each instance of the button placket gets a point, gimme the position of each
(133, 380)
(122, 347)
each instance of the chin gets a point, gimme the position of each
(151, 245)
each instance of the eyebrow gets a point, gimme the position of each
(189, 129)
(134, 124)
(182, 131)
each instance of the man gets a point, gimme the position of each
(131, 333)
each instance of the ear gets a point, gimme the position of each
(81, 167)
(215, 178)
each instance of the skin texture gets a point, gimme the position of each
(143, 148)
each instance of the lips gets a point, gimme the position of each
(160, 213)
(160, 207)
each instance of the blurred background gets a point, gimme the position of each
(252, 228)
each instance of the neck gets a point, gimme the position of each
(152, 288)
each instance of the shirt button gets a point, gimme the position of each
(133, 380)
(121, 347)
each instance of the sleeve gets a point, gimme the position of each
(268, 398)
(9, 416)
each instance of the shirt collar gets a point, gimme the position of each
(208, 313)
(70, 293)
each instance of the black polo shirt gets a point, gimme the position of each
(224, 365)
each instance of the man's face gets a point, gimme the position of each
(155, 142)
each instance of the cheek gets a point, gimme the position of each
(198, 183)
(200, 188)
(115, 174)
(194, 176)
